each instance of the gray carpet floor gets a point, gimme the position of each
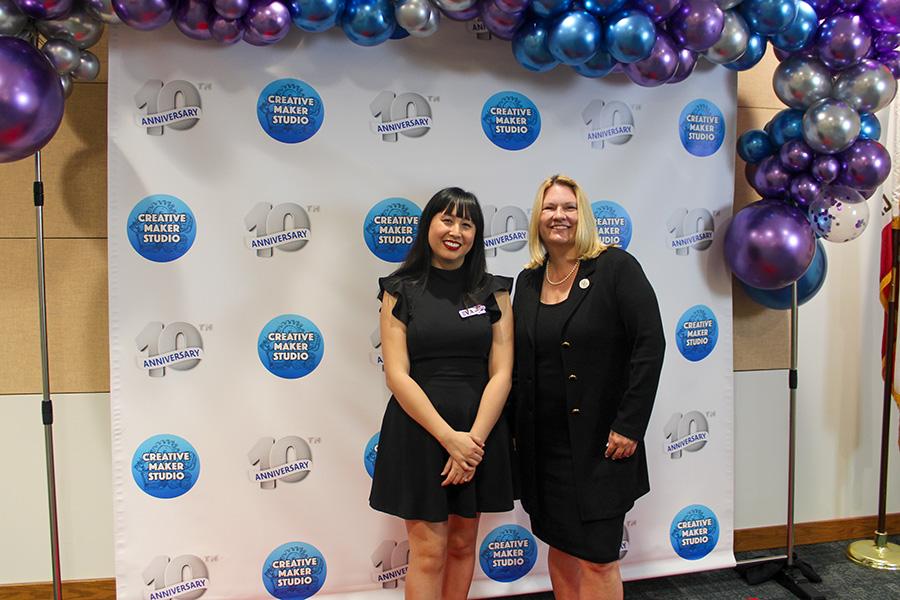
(841, 580)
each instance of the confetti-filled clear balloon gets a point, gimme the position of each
(839, 214)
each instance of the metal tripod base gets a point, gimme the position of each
(797, 577)
(877, 554)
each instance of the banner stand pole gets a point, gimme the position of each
(878, 553)
(789, 571)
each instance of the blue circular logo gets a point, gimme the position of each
(294, 570)
(371, 454)
(613, 223)
(702, 128)
(697, 333)
(290, 346)
(694, 532)
(390, 228)
(290, 110)
(508, 553)
(165, 466)
(510, 120)
(161, 228)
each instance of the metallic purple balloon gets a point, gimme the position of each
(824, 8)
(848, 5)
(697, 24)
(31, 99)
(231, 9)
(825, 168)
(659, 67)
(267, 21)
(769, 244)
(886, 41)
(144, 14)
(226, 31)
(463, 15)
(796, 155)
(804, 189)
(892, 61)
(771, 178)
(500, 23)
(687, 60)
(843, 40)
(193, 18)
(658, 10)
(512, 6)
(882, 15)
(865, 165)
(45, 10)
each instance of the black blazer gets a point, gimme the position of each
(612, 350)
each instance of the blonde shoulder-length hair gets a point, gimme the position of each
(587, 242)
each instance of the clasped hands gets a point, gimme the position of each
(466, 450)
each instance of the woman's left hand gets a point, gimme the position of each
(619, 446)
(455, 474)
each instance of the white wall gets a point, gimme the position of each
(838, 437)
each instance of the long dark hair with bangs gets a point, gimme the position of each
(459, 203)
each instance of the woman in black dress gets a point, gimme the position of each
(446, 335)
(589, 350)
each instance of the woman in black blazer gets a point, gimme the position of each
(589, 349)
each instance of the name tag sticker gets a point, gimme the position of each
(478, 309)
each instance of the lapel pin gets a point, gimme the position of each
(584, 283)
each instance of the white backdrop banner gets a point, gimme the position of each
(255, 195)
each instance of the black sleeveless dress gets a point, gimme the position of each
(448, 341)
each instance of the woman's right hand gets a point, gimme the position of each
(464, 448)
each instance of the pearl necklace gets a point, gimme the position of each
(561, 281)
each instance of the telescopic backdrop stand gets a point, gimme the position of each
(786, 569)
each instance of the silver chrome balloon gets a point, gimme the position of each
(800, 81)
(79, 28)
(102, 10)
(868, 86)
(733, 42)
(64, 55)
(413, 14)
(12, 20)
(434, 20)
(830, 126)
(88, 67)
(67, 85)
(455, 5)
(726, 4)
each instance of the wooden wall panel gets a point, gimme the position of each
(755, 85)
(77, 308)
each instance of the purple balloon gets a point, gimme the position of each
(463, 15)
(824, 8)
(656, 69)
(193, 18)
(45, 10)
(892, 61)
(848, 5)
(886, 41)
(882, 15)
(825, 168)
(771, 178)
(31, 99)
(500, 23)
(865, 165)
(687, 60)
(804, 189)
(266, 22)
(769, 244)
(809, 52)
(226, 31)
(843, 40)
(231, 9)
(512, 6)
(796, 155)
(658, 10)
(697, 24)
(144, 14)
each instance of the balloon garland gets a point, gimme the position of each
(815, 163)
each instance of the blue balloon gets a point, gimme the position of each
(599, 65)
(800, 32)
(603, 8)
(550, 8)
(575, 37)
(807, 286)
(630, 35)
(754, 145)
(870, 128)
(368, 22)
(530, 46)
(786, 125)
(756, 49)
(768, 16)
(315, 15)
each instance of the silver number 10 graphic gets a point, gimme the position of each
(162, 573)
(270, 454)
(408, 105)
(265, 220)
(390, 555)
(157, 338)
(155, 98)
(679, 427)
